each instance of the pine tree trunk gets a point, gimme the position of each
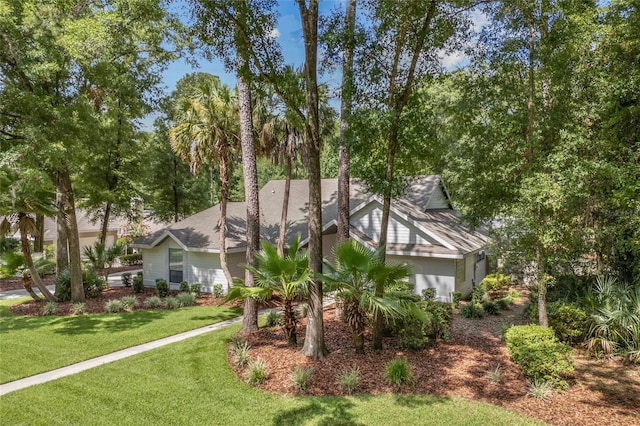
(75, 266)
(222, 225)
(314, 345)
(250, 316)
(285, 208)
(62, 242)
(543, 318)
(345, 111)
(38, 242)
(26, 252)
(105, 225)
(26, 283)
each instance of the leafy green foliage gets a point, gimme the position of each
(569, 321)
(217, 290)
(398, 373)
(131, 259)
(504, 304)
(50, 308)
(538, 352)
(186, 298)
(273, 319)
(184, 286)
(349, 379)
(152, 302)
(495, 282)
(126, 279)
(429, 293)
(472, 310)
(77, 308)
(138, 284)
(300, 377)
(457, 297)
(478, 295)
(195, 289)
(435, 322)
(162, 287)
(93, 285)
(490, 308)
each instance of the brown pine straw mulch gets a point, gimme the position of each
(600, 392)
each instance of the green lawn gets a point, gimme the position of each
(190, 383)
(31, 345)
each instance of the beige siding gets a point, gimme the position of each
(430, 273)
(369, 222)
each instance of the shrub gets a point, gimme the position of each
(350, 379)
(397, 372)
(162, 287)
(152, 302)
(257, 372)
(472, 310)
(195, 289)
(514, 294)
(495, 282)
(495, 374)
(129, 302)
(126, 279)
(138, 284)
(477, 295)
(171, 303)
(241, 353)
(217, 290)
(273, 318)
(184, 287)
(91, 282)
(300, 377)
(186, 299)
(503, 330)
(411, 333)
(490, 308)
(457, 297)
(131, 259)
(569, 321)
(539, 353)
(77, 308)
(414, 334)
(50, 309)
(540, 390)
(429, 293)
(113, 306)
(504, 304)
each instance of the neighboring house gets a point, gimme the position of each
(88, 231)
(424, 231)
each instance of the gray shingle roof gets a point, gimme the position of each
(200, 231)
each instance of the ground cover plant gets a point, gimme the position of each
(153, 389)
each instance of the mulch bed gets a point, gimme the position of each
(600, 391)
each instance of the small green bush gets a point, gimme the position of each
(414, 333)
(514, 294)
(184, 287)
(138, 284)
(538, 352)
(50, 309)
(77, 308)
(152, 302)
(91, 282)
(569, 321)
(186, 298)
(398, 372)
(113, 306)
(429, 294)
(472, 310)
(504, 304)
(195, 289)
(131, 259)
(478, 295)
(349, 379)
(162, 287)
(129, 302)
(241, 351)
(217, 290)
(490, 308)
(171, 303)
(495, 282)
(273, 318)
(300, 377)
(126, 279)
(457, 297)
(257, 372)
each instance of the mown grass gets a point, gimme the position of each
(32, 345)
(190, 383)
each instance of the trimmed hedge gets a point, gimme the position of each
(569, 321)
(539, 353)
(131, 259)
(495, 282)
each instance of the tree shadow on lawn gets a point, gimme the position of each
(90, 324)
(327, 411)
(8, 324)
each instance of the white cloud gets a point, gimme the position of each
(274, 33)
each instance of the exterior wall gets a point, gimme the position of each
(156, 262)
(438, 200)
(88, 239)
(205, 269)
(369, 221)
(474, 272)
(328, 243)
(430, 273)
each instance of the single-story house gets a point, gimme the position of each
(424, 231)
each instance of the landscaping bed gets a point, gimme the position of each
(600, 391)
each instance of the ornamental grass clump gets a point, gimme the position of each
(241, 351)
(398, 373)
(349, 380)
(273, 318)
(301, 377)
(50, 309)
(171, 303)
(186, 298)
(113, 306)
(152, 302)
(129, 302)
(77, 308)
(495, 374)
(540, 390)
(257, 372)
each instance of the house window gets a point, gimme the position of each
(175, 265)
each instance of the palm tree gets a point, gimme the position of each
(21, 198)
(353, 276)
(101, 258)
(206, 132)
(287, 274)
